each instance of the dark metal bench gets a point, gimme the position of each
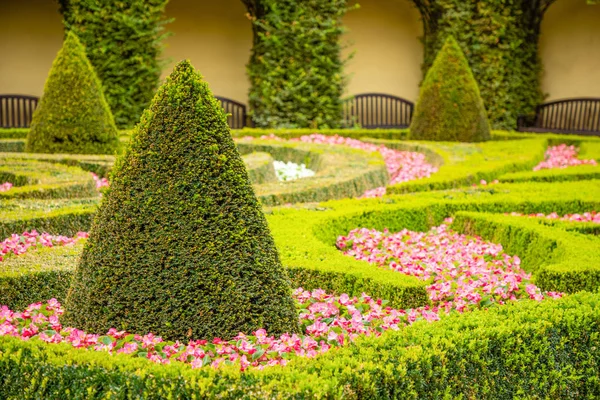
(377, 110)
(580, 116)
(16, 110)
(238, 115)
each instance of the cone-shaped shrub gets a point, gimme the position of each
(450, 106)
(180, 246)
(73, 115)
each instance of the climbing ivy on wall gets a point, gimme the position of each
(123, 43)
(500, 40)
(296, 70)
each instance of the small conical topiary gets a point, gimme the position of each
(450, 107)
(73, 115)
(180, 246)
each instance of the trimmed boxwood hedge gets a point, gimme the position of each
(545, 350)
(72, 116)
(341, 172)
(180, 246)
(468, 164)
(450, 107)
(305, 237)
(12, 145)
(260, 167)
(55, 216)
(14, 133)
(43, 180)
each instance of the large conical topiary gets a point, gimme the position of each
(450, 106)
(73, 115)
(179, 246)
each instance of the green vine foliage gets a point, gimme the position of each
(296, 70)
(123, 42)
(500, 41)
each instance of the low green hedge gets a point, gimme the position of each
(12, 146)
(43, 180)
(578, 173)
(468, 164)
(260, 167)
(341, 171)
(392, 134)
(560, 259)
(56, 216)
(48, 270)
(14, 133)
(521, 350)
(98, 164)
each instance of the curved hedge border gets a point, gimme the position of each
(553, 175)
(546, 349)
(12, 145)
(468, 164)
(260, 167)
(43, 180)
(562, 260)
(341, 172)
(14, 133)
(55, 216)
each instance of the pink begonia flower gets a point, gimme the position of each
(562, 156)
(17, 245)
(100, 182)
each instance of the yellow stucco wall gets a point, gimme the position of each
(217, 38)
(384, 34)
(31, 33)
(570, 50)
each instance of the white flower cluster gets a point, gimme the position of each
(290, 171)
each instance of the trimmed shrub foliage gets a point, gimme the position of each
(449, 106)
(541, 350)
(500, 40)
(123, 40)
(180, 246)
(296, 71)
(72, 116)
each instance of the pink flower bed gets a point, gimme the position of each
(100, 182)
(20, 244)
(466, 271)
(403, 166)
(591, 216)
(326, 322)
(562, 156)
(5, 186)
